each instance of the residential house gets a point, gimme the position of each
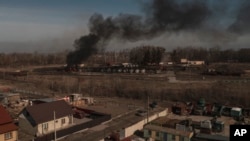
(41, 119)
(8, 130)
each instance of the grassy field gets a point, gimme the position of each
(189, 85)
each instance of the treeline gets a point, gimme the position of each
(145, 55)
(26, 59)
(211, 55)
(141, 55)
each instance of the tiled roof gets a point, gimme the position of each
(45, 112)
(7, 128)
(6, 122)
(4, 116)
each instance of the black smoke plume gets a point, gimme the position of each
(242, 22)
(84, 46)
(161, 16)
(170, 15)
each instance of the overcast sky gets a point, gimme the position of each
(52, 25)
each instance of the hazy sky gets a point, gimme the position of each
(31, 20)
(52, 25)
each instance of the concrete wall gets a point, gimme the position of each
(25, 125)
(139, 125)
(14, 136)
(51, 125)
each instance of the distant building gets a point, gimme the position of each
(196, 62)
(193, 62)
(75, 99)
(184, 61)
(158, 133)
(164, 128)
(8, 130)
(88, 100)
(41, 119)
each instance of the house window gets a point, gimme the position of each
(173, 137)
(63, 121)
(8, 136)
(45, 126)
(157, 134)
(149, 132)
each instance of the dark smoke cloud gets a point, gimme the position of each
(164, 15)
(124, 26)
(84, 46)
(242, 22)
(170, 15)
(161, 17)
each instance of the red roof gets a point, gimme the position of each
(4, 116)
(7, 128)
(127, 139)
(6, 122)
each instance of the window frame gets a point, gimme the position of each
(45, 126)
(8, 136)
(63, 121)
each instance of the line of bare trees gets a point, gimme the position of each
(139, 55)
(211, 55)
(27, 59)
(144, 55)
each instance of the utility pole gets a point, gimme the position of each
(55, 125)
(147, 107)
